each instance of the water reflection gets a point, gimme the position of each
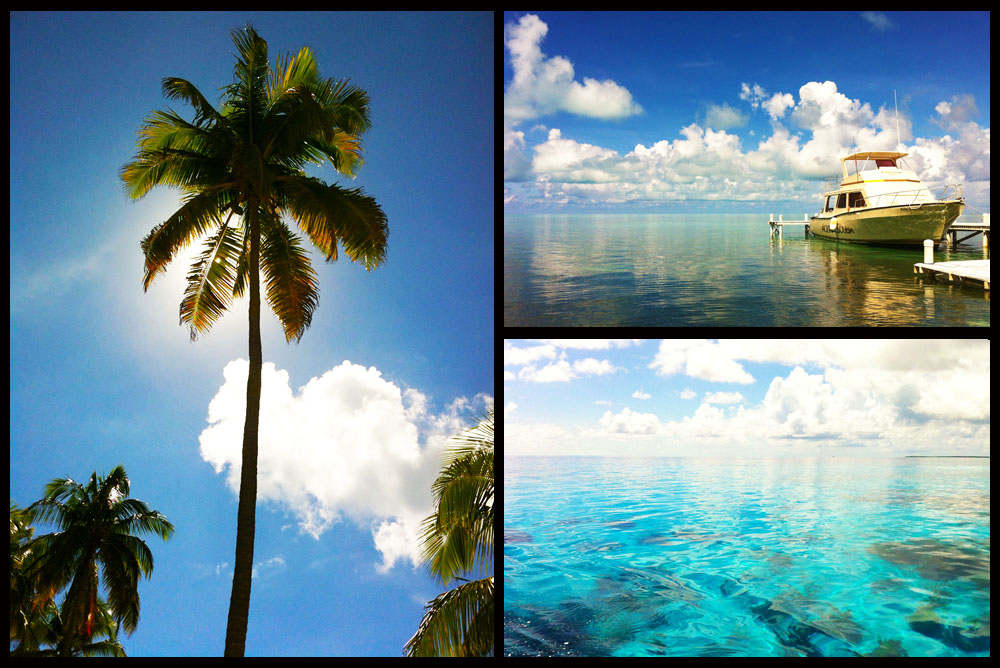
(715, 270)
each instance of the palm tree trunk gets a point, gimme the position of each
(239, 602)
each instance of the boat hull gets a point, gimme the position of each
(890, 225)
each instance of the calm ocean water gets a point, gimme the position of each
(709, 269)
(746, 557)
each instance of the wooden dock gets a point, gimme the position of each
(957, 272)
(778, 225)
(975, 228)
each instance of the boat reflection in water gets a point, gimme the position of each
(879, 202)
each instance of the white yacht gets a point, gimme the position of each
(881, 202)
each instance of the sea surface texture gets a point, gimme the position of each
(705, 270)
(754, 557)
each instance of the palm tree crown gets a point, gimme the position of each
(457, 540)
(98, 526)
(247, 160)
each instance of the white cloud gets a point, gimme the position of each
(878, 20)
(628, 422)
(639, 394)
(543, 85)
(775, 105)
(569, 161)
(810, 132)
(698, 358)
(266, 567)
(886, 396)
(723, 397)
(723, 116)
(562, 371)
(513, 356)
(348, 445)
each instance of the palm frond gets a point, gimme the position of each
(211, 280)
(199, 213)
(291, 283)
(331, 214)
(348, 107)
(176, 88)
(458, 537)
(459, 622)
(246, 97)
(291, 72)
(173, 152)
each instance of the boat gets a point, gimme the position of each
(881, 202)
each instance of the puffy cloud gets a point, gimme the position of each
(915, 389)
(350, 444)
(628, 422)
(569, 161)
(698, 358)
(516, 163)
(911, 395)
(563, 371)
(543, 85)
(809, 136)
(723, 397)
(775, 105)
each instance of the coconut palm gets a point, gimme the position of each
(458, 540)
(98, 527)
(44, 634)
(246, 160)
(26, 604)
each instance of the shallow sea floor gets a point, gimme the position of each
(706, 557)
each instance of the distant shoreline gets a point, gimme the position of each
(947, 456)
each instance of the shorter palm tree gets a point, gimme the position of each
(458, 540)
(98, 526)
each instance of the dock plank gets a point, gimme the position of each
(976, 270)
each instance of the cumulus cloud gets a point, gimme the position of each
(698, 358)
(924, 396)
(774, 105)
(628, 422)
(723, 397)
(543, 85)
(811, 129)
(349, 445)
(914, 389)
(563, 371)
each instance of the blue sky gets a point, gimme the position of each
(395, 361)
(680, 112)
(747, 398)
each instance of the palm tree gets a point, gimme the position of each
(99, 525)
(247, 160)
(458, 539)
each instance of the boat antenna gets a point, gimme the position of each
(897, 117)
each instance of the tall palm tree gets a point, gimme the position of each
(99, 528)
(246, 160)
(458, 540)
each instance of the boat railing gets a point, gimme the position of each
(916, 198)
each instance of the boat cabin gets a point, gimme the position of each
(875, 179)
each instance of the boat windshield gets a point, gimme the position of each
(853, 167)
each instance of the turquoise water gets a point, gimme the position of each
(754, 557)
(718, 270)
